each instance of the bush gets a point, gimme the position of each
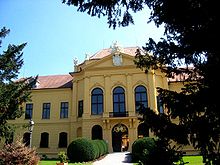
(143, 148)
(81, 150)
(105, 146)
(102, 147)
(96, 148)
(62, 157)
(155, 151)
(16, 153)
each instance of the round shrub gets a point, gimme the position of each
(81, 150)
(98, 147)
(105, 146)
(101, 147)
(143, 148)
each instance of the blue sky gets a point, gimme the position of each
(56, 34)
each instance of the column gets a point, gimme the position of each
(130, 103)
(86, 99)
(73, 111)
(152, 90)
(107, 96)
(132, 132)
(107, 134)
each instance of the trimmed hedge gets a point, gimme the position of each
(99, 147)
(83, 150)
(143, 148)
(105, 146)
(155, 151)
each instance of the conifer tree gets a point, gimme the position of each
(13, 92)
(190, 39)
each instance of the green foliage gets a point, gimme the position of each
(16, 153)
(155, 151)
(101, 147)
(112, 9)
(53, 162)
(12, 92)
(105, 146)
(81, 150)
(62, 157)
(96, 147)
(190, 39)
(142, 148)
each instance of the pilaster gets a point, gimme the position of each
(152, 90)
(107, 96)
(130, 96)
(86, 100)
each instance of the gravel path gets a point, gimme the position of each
(116, 158)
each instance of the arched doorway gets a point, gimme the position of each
(120, 140)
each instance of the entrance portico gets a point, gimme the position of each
(120, 138)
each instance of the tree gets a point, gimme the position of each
(16, 153)
(190, 39)
(12, 92)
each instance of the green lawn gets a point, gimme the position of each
(53, 162)
(193, 160)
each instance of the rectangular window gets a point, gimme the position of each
(46, 111)
(44, 140)
(64, 110)
(80, 108)
(62, 140)
(28, 111)
(160, 105)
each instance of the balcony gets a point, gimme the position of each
(118, 114)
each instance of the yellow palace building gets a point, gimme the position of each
(98, 100)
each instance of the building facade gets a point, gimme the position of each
(98, 100)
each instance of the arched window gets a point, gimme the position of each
(143, 130)
(97, 132)
(62, 140)
(118, 100)
(140, 97)
(26, 139)
(97, 101)
(44, 140)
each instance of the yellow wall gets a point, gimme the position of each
(98, 73)
(54, 125)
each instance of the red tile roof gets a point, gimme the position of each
(54, 81)
(65, 81)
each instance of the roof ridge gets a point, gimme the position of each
(99, 52)
(104, 52)
(54, 75)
